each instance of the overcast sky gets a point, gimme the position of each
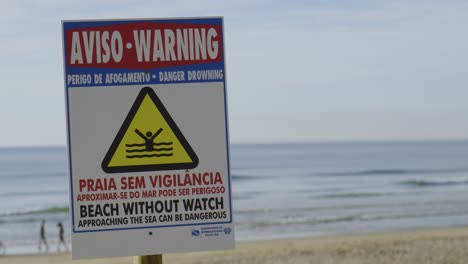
(296, 71)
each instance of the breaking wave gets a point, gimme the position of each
(33, 211)
(394, 172)
(433, 183)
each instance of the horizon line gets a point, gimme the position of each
(439, 140)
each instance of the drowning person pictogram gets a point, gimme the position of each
(149, 146)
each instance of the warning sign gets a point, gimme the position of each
(149, 139)
(148, 145)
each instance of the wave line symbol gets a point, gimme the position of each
(144, 150)
(148, 155)
(154, 144)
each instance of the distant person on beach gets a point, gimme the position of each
(61, 237)
(2, 249)
(42, 238)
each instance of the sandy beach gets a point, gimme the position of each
(426, 246)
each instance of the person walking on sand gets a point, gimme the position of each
(61, 237)
(43, 238)
(2, 249)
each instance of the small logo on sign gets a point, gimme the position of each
(227, 230)
(195, 232)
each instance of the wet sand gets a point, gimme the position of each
(426, 246)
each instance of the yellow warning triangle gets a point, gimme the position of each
(149, 140)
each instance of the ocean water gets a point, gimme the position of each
(279, 190)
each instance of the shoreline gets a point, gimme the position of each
(448, 245)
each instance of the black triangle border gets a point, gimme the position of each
(123, 129)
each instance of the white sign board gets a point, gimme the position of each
(147, 133)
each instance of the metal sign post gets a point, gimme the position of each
(151, 259)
